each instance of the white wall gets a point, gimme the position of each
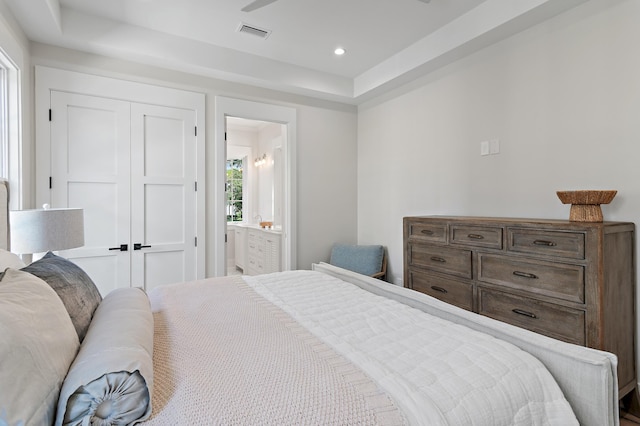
(326, 170)
(326, 131)
(563, 98)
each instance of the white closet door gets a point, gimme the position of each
(163, 194)
(90, 142)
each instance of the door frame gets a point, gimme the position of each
(231, 107)
(48, 79)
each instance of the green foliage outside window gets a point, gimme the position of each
(234, 190)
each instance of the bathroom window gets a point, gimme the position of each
(234, 190)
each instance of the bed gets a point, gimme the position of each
(326, 346)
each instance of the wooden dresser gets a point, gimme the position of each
(573, 281)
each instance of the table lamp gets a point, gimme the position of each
(46, 229)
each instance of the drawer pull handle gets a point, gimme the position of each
(427, 232)
(544, 243)
(438, 259)
(524, 275)
(440, 289)
(524, 313)
(475, 236)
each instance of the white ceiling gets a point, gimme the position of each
(238, 123)
(388, 42)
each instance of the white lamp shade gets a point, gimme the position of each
(38, 231)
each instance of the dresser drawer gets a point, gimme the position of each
(545, 318)
(442, 259)
(256, 266)
(457, 293)
(479, 236)
(557, 280)
(551, 243)
(428, 232)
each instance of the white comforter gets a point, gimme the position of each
(438, 372)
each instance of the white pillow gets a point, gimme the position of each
(39, 344)
(10, 260)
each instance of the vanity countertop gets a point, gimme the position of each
(276, 230)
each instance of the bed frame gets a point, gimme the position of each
(587, 377)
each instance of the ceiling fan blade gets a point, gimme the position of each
(257, 4)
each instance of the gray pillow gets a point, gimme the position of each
(74, 287)
(111, 379)
(37, 346)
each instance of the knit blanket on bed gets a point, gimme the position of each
(438, 372)
(223, 355)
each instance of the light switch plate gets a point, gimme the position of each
(484, 148)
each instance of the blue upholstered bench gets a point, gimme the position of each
(367, 260)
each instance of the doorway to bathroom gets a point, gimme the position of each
(255, 148)
(254, 196)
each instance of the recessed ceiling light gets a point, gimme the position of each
(339, 51)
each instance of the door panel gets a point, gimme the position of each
(164, 267)
(100, 204)
(163, 213)
(90, 140)
(164, 144)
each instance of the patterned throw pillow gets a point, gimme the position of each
(74, 287)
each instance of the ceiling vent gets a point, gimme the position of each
(254, 31)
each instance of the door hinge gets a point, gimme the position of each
(49, 114)
(196, 131)
(225, 136)
(196, 241)
(50, 182)
(195, 186)
(225, 238)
